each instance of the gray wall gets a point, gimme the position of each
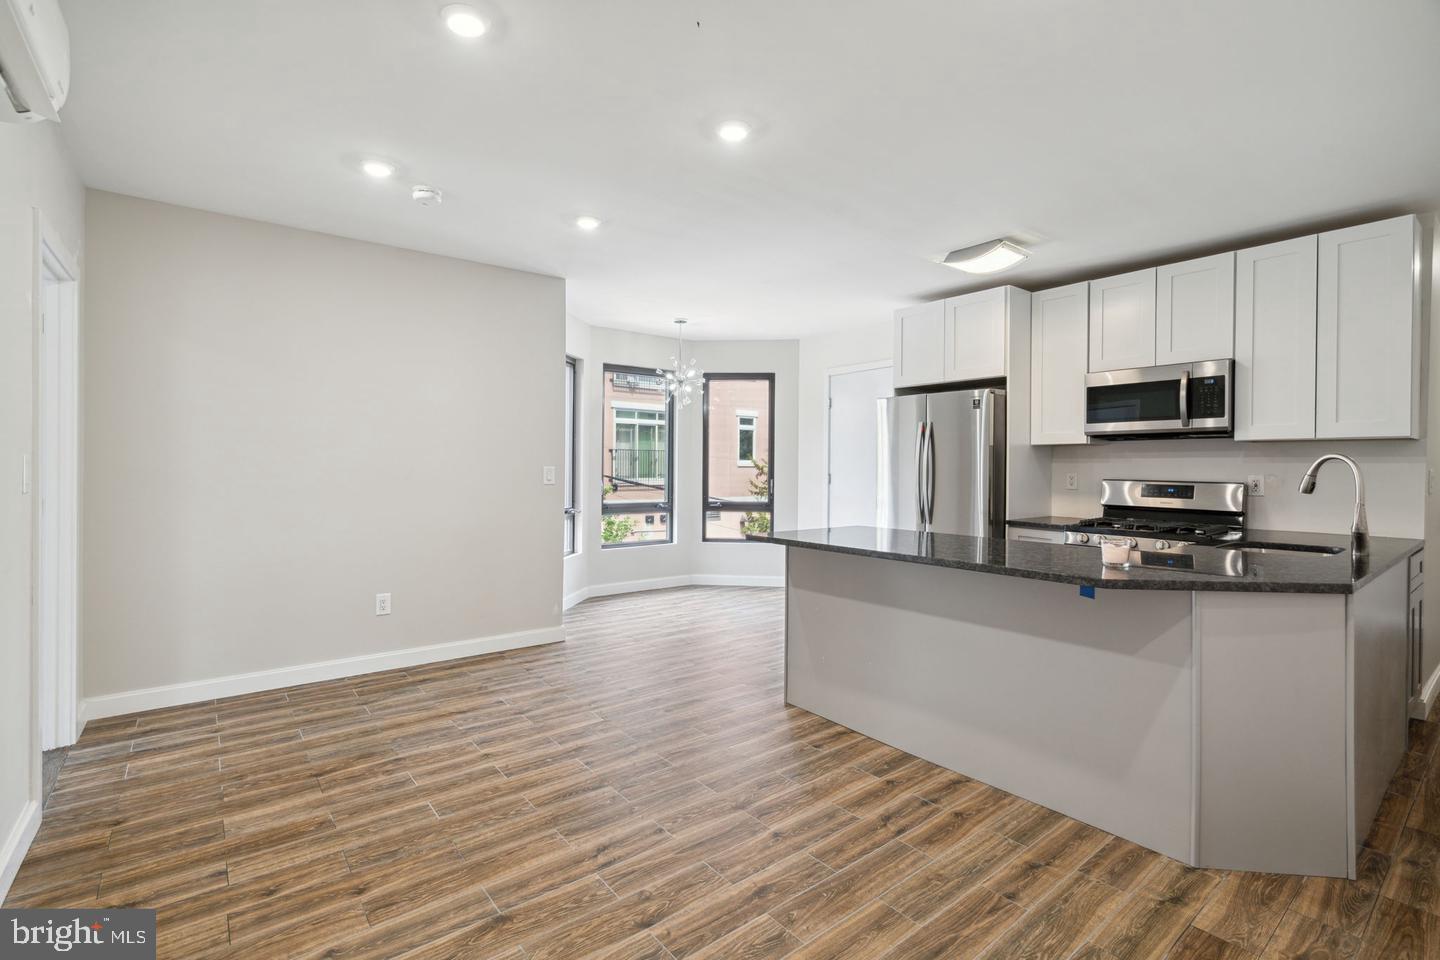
(34, 173)
(280, 424)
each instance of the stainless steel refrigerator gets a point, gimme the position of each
(942, 462)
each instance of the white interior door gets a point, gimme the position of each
(852, 435)
(56, 462)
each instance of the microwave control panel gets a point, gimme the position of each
(1207, 398)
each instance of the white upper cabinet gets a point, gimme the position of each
(920, 344)
(1367, 370)
(1275, 341)
(1122, 321)
(1059, 325)
(1195, 310)
(975, 335)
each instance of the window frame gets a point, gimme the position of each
(708, 506)
(666, 506)
(571, 496)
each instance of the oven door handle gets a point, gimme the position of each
(1185, 398)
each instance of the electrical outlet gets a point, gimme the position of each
(382, 604)
(1256, 485)
(548, 476)
(1072, 481)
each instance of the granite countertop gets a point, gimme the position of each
(1248, 571)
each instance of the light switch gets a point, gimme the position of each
(549, 476)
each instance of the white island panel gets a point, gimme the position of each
(1082, 705)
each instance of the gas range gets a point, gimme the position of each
(1164, 517)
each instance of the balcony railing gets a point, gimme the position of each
(637, 467)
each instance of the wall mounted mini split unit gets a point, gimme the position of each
(34, 60)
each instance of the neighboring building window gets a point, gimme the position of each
(637, 459)
(572, 443)
(745, 429)
(739, 449)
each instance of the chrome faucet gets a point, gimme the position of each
(1360, 529)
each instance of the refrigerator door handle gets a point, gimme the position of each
(929, 471)
(922, 519)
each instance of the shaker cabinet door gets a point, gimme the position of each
(1122, 321)
(1195, 310)
(1367, 369)
(1275, 341)
(1059, 321)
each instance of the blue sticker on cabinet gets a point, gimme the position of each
(1088, 592)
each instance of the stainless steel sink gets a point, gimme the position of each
(1263, 545)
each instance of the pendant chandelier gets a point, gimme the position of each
(683, 381)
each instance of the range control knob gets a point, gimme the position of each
(1082, 538)
(1162, 544)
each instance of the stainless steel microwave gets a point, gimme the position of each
(1177, 400)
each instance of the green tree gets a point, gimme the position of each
(758, 523)
(614, 527)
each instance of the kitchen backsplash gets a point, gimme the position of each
(1394, 479)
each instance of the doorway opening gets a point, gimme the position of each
(852, 437)
(57, 490)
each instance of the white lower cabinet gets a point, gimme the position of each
(1367, 366)
(1059, 324)
(1275, 341)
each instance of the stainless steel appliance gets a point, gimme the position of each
(1181, 399)
(1170, 524)
(942, 462)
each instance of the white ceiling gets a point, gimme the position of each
(887, 133)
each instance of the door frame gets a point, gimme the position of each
(830, 374)
(56, 645)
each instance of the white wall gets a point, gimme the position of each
(687, 559)
(35, 172)
(281, 424)
(819, 358)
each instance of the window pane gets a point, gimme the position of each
(635, 468)
(738, 447)
(735, 524)
(643, 526)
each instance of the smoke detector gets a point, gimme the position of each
(426, 196)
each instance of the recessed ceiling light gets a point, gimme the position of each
(991, 256)
(378, 169)
(426, 196)
(733, 131)
(463, 21)
(587, 223)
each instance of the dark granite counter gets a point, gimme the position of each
(1044, 523)
(1207, 568)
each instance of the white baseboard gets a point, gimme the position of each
(176, 694)
(1420, 706)
(17, 844)
(663, 583)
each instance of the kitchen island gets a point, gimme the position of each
(1248, 720)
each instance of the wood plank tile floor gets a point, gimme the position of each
(642, 792)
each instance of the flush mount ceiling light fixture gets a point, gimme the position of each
(587, 223)
(378, 169)
(463, 21)
(991, 256)
(425, 195)
(733, 131)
